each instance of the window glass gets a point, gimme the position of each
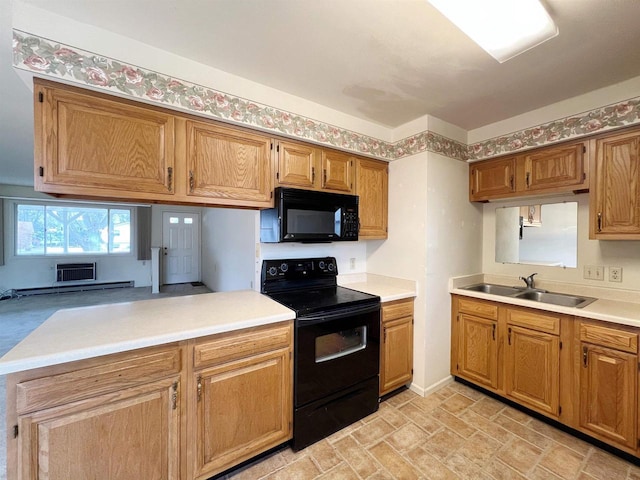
(174, 220)
(188, 220)
(72, 230)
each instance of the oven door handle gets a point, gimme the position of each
(312, 319)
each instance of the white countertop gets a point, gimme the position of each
(87, 332)
(610, 306)
(387, 288)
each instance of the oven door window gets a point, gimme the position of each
(340, 344)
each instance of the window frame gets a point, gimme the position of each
(109, 207)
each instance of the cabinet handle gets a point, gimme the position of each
(585, 355)
(199, 387)
(511, 181)
(493, 331)
(170, 177)
(324, 177)
(191, 180)
(527, 179)
(385, 335)
(313, 174)
(174, 396)
(509, 336)
(599, 221)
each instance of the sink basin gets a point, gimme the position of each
(555, 298)
(494, 289)
(535, 295)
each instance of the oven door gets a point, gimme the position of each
(335, 350)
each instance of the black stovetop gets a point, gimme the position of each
(309, 286)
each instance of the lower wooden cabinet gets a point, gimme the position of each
(396, 347)
(182, 411)
(580, 372)
(244, 406)
(608, 376)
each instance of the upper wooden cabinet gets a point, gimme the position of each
(297, 165)
(304, 166)
(492, 179)
(228, 166)
(93, 145)
(614, 207)
(555, 169)
(372, 186)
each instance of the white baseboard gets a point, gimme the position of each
(423, 392)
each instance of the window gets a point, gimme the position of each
(71, 230)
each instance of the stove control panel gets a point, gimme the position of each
(298, 270)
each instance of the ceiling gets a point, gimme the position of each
(385, 61)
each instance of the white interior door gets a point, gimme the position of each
(180, 247)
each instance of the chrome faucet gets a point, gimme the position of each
(529, 281)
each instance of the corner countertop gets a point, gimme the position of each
(387, 288)
(87, 332)
(612, 305)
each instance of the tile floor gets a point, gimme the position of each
(454, 433)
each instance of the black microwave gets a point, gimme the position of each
(309, 216)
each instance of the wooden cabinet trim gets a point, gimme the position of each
(62, 388)
(397, 309)
(534, 320)
(609, 337)
(478, 307)
(230, 346)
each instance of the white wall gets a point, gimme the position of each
(624, 253)
(25, 272)
(228, 248)
(434, 233)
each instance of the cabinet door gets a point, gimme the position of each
(477, 350)
(396, 360)
(372, 186)
(243, 409)
(492, 178)
(554, 169)
(615, 203)
(93, 146)
(227, 166)
(337, 172)
(608, 394)
(298, 165)
(131, 434)
(532, 372)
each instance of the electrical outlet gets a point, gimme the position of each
(352, 263)
(615, 274)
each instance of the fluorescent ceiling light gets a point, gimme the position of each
(504, 28)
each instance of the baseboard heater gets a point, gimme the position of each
(72, 272)
(72, 288)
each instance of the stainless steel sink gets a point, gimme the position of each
(494, 289)
(535, 295)
(555, 298)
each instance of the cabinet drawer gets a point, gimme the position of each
(609, 337)
(398, 309)
(475, 307)
(110, 376)
(239, 344)
(534, 321)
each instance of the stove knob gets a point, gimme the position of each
(273, 271)
(331, 267)
(321, 264)
(284, 267)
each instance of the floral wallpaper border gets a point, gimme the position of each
(587, 123)
(46, 57)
